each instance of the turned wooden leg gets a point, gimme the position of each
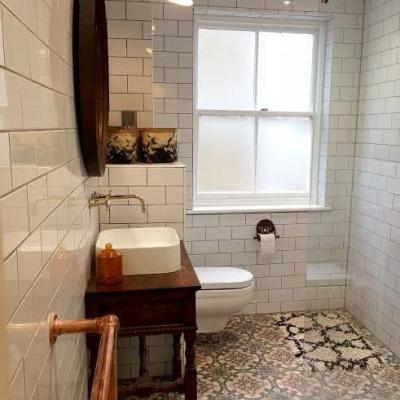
(143, 357)
(113, 394)
(190, 367)
(92, 344)
(177, 361)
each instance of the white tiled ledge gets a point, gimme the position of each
(176, 164)
(255, 209)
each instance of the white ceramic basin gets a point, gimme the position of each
(144, 250)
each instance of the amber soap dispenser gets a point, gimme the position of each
(109, 266)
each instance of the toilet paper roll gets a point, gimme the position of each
(267, 245)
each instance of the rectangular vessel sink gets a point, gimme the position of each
(144, 250)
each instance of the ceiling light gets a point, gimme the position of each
(287, 2)
(185, 3)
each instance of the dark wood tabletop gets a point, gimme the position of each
(185, 278)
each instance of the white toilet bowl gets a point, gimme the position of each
(224, 292)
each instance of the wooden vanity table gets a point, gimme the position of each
(152, 305)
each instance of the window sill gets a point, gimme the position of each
(256, 209)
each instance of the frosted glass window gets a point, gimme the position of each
(255, 113)
(225, 68)
(284, 154)
(285, 71)
(226, 154)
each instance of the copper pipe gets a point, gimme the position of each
(105, 376)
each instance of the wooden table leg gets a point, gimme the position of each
(177, 361)
(143, 357)
(92, 344)
(190, 367)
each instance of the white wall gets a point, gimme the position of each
(373, 292)
(3, 335)
(162, 187)
(308, 269)
(130, 51)
(47, 230)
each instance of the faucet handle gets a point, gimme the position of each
(93, 201)
(108, 199)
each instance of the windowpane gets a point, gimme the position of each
(226, 61)
(226, 154)
(284, 154)
(285, 69)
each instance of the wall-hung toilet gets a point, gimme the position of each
(224, 292)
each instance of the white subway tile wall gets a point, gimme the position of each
(162, 187)
(47, 230)
(373, 291)
(130, 60)
(308, 269)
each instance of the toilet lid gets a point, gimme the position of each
(223, 277)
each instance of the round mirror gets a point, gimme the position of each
(91, 82)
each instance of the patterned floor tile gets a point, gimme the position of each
(327, 341)
(312, 356)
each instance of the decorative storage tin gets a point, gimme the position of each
(123, 146)
(159, 145)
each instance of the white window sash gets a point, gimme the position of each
(221, 199)
(245, 113)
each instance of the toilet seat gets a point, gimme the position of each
(221, 278)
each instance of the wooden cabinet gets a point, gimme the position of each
(152, 305)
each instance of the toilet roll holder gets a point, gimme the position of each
(265, 227)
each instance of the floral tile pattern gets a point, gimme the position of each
(253, 358)
(327, 340)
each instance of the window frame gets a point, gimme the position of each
(253, 199)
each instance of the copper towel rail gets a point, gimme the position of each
(105, 377)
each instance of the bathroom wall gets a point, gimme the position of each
(47, 230)
(308, 269)
(130, 51)
(3, 346)
(161, 186)
(373, 292)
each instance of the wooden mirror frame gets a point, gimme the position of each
(91, 82)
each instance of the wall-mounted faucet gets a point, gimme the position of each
(96, 199)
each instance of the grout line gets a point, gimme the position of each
(5, 68)
(39, 177)
(34, 33)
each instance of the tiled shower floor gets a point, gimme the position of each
(254, 359)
